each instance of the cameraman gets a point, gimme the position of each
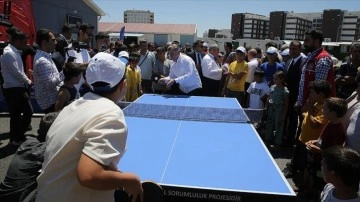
(101, 43)
(78, 52)
(16, 87)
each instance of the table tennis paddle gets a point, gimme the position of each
(159, 87)
(152, 193)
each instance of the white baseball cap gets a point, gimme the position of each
(124, 54)
(285, 52)
(105, 68)
(242, 49)
(272, 50)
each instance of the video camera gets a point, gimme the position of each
(77, 46)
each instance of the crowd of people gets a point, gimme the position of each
(307, 104)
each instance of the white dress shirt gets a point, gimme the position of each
(184, 72)
(82, 56)
(253, 65)
(210, 68)
(12, 68)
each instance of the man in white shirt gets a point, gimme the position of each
(78, 52)
(87, 140)
(15, 86)
(183, 74)
(253, 65)
(146, 64)
(211, 72)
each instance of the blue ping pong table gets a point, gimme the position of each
(197, 160)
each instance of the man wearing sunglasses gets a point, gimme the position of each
(78, 51)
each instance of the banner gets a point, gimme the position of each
(122, 34)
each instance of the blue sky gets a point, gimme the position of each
(214, 14)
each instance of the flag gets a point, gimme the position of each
(122, 34)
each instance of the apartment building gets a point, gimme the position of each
(138, 16)
(249, 26)
(288, 26)
(336, 25)
(349, 30)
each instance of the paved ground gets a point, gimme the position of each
(6, 152)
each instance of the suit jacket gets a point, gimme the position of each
(193, 56)
(293, 75)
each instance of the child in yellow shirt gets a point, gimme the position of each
(133, 78)
(235, 80)
(312, 125)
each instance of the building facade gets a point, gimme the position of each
(288, 26)
(350, 27)
(249, 26)
(160, 34)
(337, 25)
(296, 26)
(138, 16)
(73, 12)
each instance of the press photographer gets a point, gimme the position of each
(78, 52)
(79, 48)
(101, 43)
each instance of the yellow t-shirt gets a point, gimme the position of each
(307, 131)
(133, 80)
(237, 84)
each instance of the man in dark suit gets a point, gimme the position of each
(292, 80)
(197, 55)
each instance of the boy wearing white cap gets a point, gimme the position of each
(235, 80)
(271, 66)
(87, 140)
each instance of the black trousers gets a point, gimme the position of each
(19, 103)
(247, 96)
(292, 123)
(146, 86)
(175, 90)
(210, 87)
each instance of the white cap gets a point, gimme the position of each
(271, 50)
(285, 52)
(242, 49)
(205, 45)
(106, 68)
(124, 54)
